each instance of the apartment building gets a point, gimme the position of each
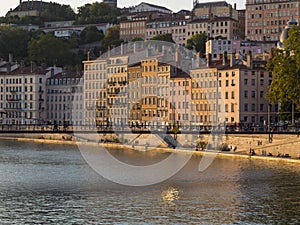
(224, 27)
(168, 24)
(117, 90)
(218, 47)
(149, 90)
(147, 7)
(22, 94)
(265, 20)
(135, 94)
(64, 102)
(241, 23)
(241, 86)
(208, 10)
(135, 26)
(94, 91)
(180, 99)
(163, 97)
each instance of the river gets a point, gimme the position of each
(52, 184)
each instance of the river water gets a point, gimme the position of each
(52, 184)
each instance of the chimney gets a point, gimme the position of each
(108, 51)
(88, 55)
(8, 67)
(219, 56)
(249, 60)
(31, 67)
(52, 72)
(122, 49)
(10, 58)
(234, 6)
(231, 59)
(225, 60)
(208, 60)
(134, 47)
(177, 58)
(20, 2)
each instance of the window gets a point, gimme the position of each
(246, 107)
(261, 107)
(245, 81)
(261, 94)
(226, 95)
(232, 107)
(252, 94)
(261, 82)
(253, 82)
(232, 95)
(245, 94)
(253, 107)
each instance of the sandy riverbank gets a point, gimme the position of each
(158, 149)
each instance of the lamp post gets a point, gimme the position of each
(269, 123)
(293, 115)
(217, 99)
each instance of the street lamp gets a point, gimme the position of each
(217, 99)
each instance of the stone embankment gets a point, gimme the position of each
(283, 144)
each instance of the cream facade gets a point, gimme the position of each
(22, 95)
(64, 102)
(95, 79)
(216, 27)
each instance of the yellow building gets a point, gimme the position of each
(117, 90)
(134, 94)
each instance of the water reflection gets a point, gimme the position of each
(51, 184)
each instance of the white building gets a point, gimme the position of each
(146, 7)
(64, 102)
(22, 95)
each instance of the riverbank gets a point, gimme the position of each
(221, 154)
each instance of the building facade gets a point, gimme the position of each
(208, 10)
(28, 8)
(265, 20)
(64, 102)
(22, 94)
(146, 7)
(231, 91)
(169, 24)
(225, 27)
(94, 91)
(217, 47)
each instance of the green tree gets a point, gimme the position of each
(163, 37)
(14, 41)
(112, 38)
(57, 12)
(137, 39)
(285, 112)
(197, 42)
(285, 67)
(91, 34)
(52, 51)
(97, 13)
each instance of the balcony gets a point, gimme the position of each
(13, 99)
(41, 99)
(101, 107)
